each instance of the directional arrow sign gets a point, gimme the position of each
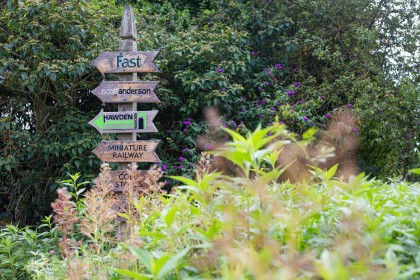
(126, 62)
(127, 151)
(120, 179)
(127, 92)
(125, 122)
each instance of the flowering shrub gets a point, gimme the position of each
(245, 91)
(252, 59)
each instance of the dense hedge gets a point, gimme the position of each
(302, 61)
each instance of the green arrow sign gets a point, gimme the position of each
(123, 122)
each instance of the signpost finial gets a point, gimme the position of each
(128, 24)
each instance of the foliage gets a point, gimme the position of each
(337, 52)
(249, 225)
(18, 246)
(302, 61)
(392, 147)
(45, 50)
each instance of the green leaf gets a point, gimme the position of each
(170, 215)
(144, 257)
(132, 274)
(171, 263)
(309, 134)
(415, 171)
(330, 173)
(80, 191)
(53, 76)
(184, 180)
(124, 215)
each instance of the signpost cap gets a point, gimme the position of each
(128, 24)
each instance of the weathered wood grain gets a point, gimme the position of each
(127, 92)
(127, 151)
(122, 178)
(126, 62)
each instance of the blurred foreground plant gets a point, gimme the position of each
(249, 222)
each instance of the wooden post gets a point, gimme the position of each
(128, 37)
(127, 92)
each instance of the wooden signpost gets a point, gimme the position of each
(126, 92)
(124, 122)
(126, 62)
(127, 151)
(121, 179)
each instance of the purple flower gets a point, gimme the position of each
(278, 104)
(168, 131)
(185, 150)
(223, 89)
(296, 84)
(243, 109)
(305, 119)
(167, 182)
(184, 130)
(179, 167)
(263, 102)
(219, 70)
(290, 92)
(163, 167)
(266, 83)
(328, 115)
(253, 53)
(279, 66)
(244, 98)
(232, 123)
(355, 131)
(52, 252)
(322, 97)
(302, 101)
(349, 106)
(261, 116)
(275, 80)
(181, 159)
(281, 122)
(208, 146)
(270, 133)
(260, 88)
(187, 122)
(273, 109)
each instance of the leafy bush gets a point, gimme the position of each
(253, 60)
(18, 246)
(251, 224)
